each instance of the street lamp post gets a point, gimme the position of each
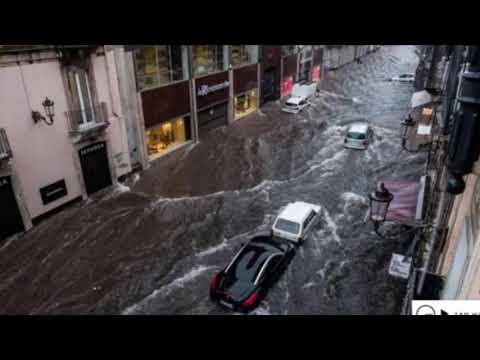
(379, 202)
(49, 111)
(408, 126)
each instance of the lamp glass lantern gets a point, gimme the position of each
(380, 200)
(48, 105)
(408, 126)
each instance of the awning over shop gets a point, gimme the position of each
(403, 208)
(421, 98)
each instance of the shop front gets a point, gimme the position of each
(317, 64)
(289, 72)
(166, 114)
(270, 73)
(167, 136)
(306, 62)
(212, 98)
(245, 89)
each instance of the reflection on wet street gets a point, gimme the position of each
(151, 246)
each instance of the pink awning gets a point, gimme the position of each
(403, 207)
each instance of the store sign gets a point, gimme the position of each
(316, 73)
(53, 191)
(94, 147)
(207, 89)
(287, 86)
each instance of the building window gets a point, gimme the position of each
(81, 96)
(244, 54)
(167, 136)
(159, 65)
(207, 59)
(288, 50)
(306, 53)
(245, 104)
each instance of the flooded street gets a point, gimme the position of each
(151, 246)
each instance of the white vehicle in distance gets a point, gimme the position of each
(359, 135)
(295, 104)
(409, 77)
(299, 100)
(295, 221)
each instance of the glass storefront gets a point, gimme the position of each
(167, 136)
(244, 54)
(245, 104)
(207, 59)
(160, 65)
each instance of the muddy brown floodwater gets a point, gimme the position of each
(151, 245)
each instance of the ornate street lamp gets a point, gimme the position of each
(49, 110)
(408, 127)
(380, 200)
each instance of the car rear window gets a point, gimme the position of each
(287, 226)
(291, 104)
(356, 135)
(248, 264)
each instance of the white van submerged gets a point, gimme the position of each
(301, 94)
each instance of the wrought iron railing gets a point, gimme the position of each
(5, 150)
(84, 120)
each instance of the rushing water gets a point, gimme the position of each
(151, 246)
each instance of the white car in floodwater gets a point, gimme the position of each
(294, 222)
(409, 77)
(359, 135)
(295, 104)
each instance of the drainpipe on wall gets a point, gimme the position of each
(437, 232)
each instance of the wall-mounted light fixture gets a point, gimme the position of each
(48, 106)
(380, 201)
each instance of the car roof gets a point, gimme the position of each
(295, 100)
(296, 212)
(358, 127)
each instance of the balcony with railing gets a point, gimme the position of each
(87, 121)
(5, 150)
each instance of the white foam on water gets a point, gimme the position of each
(121, 188)
(166, 289)
(321, 271)
(309, 284)
(333, 162)
(331, 225)
(261, 310)
(135, 178)
(213, 249)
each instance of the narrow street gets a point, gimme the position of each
(151, 246)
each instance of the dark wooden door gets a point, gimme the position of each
(11, 221)
(95, 167)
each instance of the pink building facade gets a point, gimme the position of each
(45, 166)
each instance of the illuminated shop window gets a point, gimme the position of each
(245, 104)
(167, 137)
(207, 59)
(159, 65)
(244, 54)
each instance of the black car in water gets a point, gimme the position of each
(255, 268)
